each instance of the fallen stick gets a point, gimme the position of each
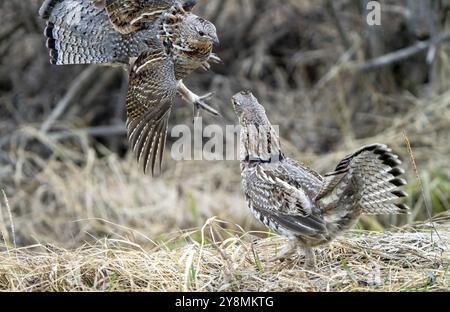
(402, 54)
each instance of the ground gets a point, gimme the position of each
(221, 257)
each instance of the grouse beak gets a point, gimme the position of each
(235, 103)
(215, 40)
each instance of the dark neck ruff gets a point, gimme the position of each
(257, 160)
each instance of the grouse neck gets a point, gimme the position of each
(259, 144)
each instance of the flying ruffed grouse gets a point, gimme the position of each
(160, 42)
(299, 203)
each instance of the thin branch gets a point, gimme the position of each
(433, 51)
(75, 89)
(397, 9)
(426, 201)
(4, 141)
(342, 33)
(403, 54)
(119, 111)
(9, 30)
(11, 219)
(106, 131)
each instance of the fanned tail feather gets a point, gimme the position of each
(374, 173)
(79, 32)
(66, 48)
(381, 193)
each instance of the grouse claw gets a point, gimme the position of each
(214, 58)
(200, 103)
(206, 66)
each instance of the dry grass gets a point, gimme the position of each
(85, 191)
(222, 257)
(49, 195)
(79, 198)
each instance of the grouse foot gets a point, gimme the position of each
(199, 102)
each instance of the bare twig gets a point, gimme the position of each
(400, 55)
(396, 9)
(119, 111)
(107, 77)
(419, 180)
(342, 33)
(75, 89)
(9, 30)
(106, 131)
(11, 221)
(4, 140)
(434, 49)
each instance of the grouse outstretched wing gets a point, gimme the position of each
(282, 202)
(138, 34)
(80, 32)
(152, 89)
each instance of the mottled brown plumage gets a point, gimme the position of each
(159, 42)
(299, 203)
(149, 102)
(112, 31)
(128, 16)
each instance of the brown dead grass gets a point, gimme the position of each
(222, 257)
(63, 194)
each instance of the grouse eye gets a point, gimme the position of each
(201, 33)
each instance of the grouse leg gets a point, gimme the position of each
(196, 100)
(286, 252)
(310, 258)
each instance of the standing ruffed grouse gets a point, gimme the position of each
(299, 203)
(160, 42)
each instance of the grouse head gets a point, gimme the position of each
(259, 140)
(248, 110)
(198, 33)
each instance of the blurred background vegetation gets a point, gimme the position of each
(328, 79)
